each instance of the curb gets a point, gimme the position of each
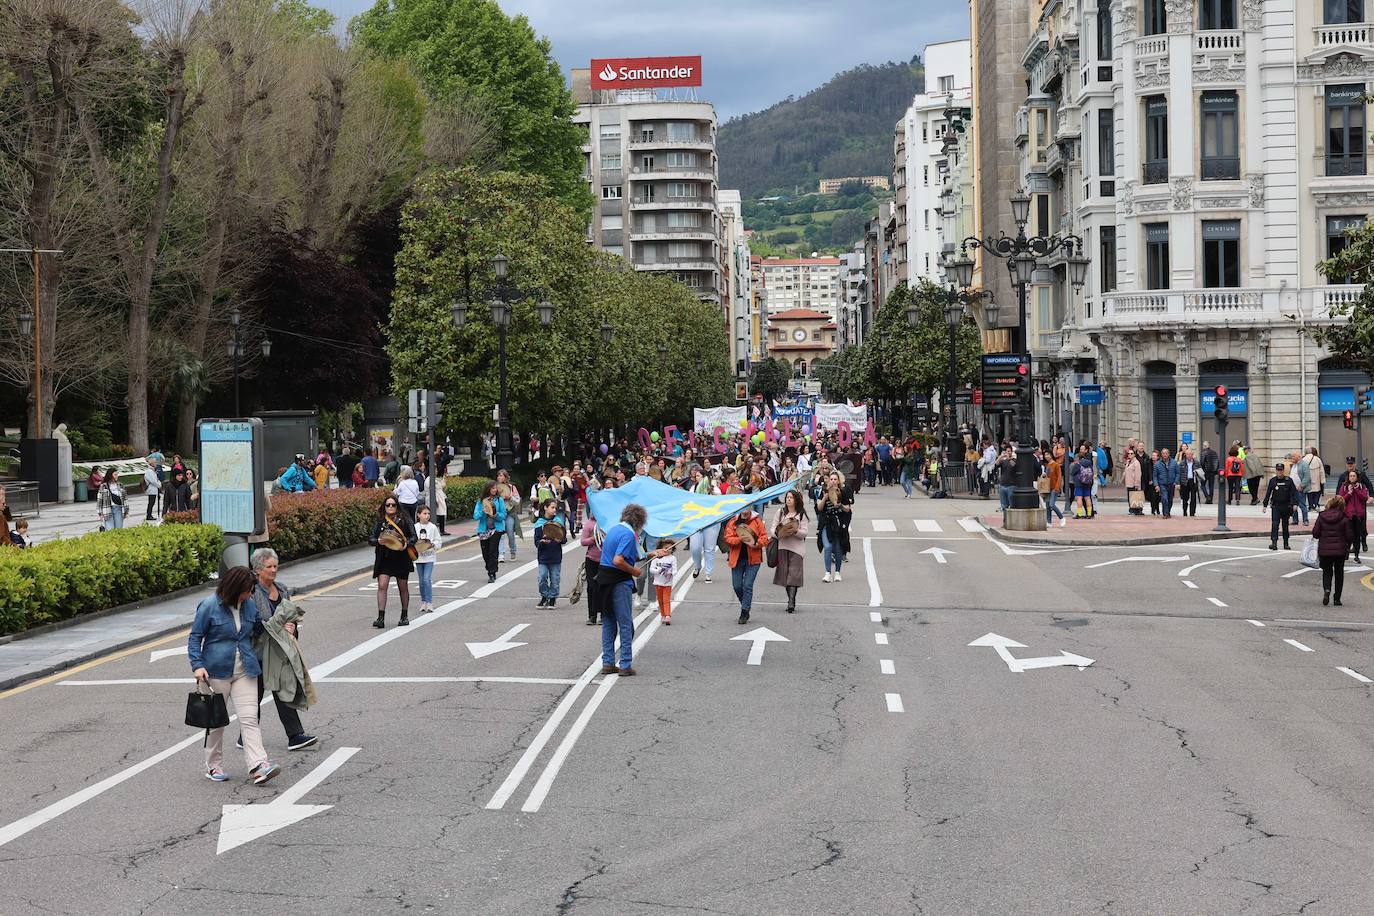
(1024, 540)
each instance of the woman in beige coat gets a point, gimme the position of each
(791, 546)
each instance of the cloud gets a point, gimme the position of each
(755, 52)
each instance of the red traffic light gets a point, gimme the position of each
(1221, 391)
(1021, 368)
(1348, 419)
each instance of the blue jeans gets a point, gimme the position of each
(906, 483)
(703, 545)
(1004, 495)
(620, 621)
(510, 537)
(549, 576)
(742, 578)
(1052, 505)
(832, 551)
(116, 518)
(1166, 498)
(426, 573)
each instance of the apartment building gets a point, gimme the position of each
(948, 83)
(738, 278)
(801, 337)
(802, 283)
(1209, 155)
(833, 185)
(651, 166)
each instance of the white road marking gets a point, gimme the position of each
(939, 554)
(880, 638)
(1190, 583)
(1003, 646)
(158, 654)
(875, 592)
(759, 639)
(241, 824)
(124, 682)
(499, 644)
(1217, 601)
(560, 712)
(1356, 675)
(1308, 569)
(875, 616)
(33, 821)
(1255, 622)
(887, 666)
(884, 524)
(1187, 570)
(1297, 645)
(894, 703)
(486, 590)
(927, 525)
(1137, 560)
(971, 525)
(476, 679)
(476, 556)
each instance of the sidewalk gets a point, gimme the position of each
(1114, 528)
(24, 658)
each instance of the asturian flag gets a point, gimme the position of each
(675, 513)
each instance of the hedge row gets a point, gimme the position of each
(302, 524)
(65, 578)
(462, 494)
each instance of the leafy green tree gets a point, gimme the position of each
(1351, 337)
(915, 359)
(472, 46)
(770, 378)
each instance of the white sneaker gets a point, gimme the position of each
(825, 578)
(837, 577)
(708, 577)
(1063, 520)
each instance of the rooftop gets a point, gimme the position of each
(796, 262)
(799, 315)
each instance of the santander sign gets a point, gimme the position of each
(645, 72)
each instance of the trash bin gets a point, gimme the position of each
(79, 491)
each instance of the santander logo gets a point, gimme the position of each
(645, 72)
(608, 73)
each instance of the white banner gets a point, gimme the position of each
(728, 418)
(828, 417)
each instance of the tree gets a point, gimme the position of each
(771, 378)
(472, 46)
(1351, 336)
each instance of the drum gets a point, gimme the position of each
(788, 528)
(555, 532)
(488, 507)
(424, 545)
(746, 535)
(391, 540)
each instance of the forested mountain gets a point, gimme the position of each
(842, 129)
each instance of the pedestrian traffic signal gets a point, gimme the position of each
(1362, 399)
(1023, 383)
(1220, 407)
(1348, 418)
(434, 407)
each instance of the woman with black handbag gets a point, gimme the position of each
(220, 648)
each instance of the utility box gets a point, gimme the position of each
(38, 462)
(286, 434)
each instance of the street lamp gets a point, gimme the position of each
(1022, 254)
(502, 305)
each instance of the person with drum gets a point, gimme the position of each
(490, 515)
(428, 541)
(509, 494)
(834, 509)
(394, 537)
(746, 537)
(550, 534)
(791, 528)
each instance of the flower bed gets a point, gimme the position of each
(66, 578)
(302, 524)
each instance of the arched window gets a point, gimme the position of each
(800, 368)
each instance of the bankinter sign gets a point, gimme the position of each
(645, 72)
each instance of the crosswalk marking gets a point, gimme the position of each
(1356, 675)
(971, 525)
(884, 524)
(927, 525)
(894, 703)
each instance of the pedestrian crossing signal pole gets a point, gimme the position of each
(1361, 408)
(1221, 409)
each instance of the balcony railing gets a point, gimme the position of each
(672, 203)
(641, 142)
(1139, 304)
(1152, 46)
(1223, 300)
(1188, 306)
(1344, 295)
(700, 262)
(698, 233)
(1156, 172)
(1228, 40)
(693, 172)
(1354, 33)
(1219, 168)
(1345, 166)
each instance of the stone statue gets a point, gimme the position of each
(65, 490)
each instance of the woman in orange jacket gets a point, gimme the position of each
(746, 553)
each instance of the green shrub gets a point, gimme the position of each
(462, 494)
(303, 524)
(66, 578)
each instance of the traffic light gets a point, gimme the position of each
(1362, 399)
(434, 407)
(1220, 408)
(1348, 418)
(1023, 383)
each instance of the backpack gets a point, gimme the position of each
(1084, 475)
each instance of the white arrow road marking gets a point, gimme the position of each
(245, 823)
(1137, 560)
(760, 638)
(1187, 570)
(1356, 675)
(499, 644)
(939, 554)
(159, 654)
(1003, 647)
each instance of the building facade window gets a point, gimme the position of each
(1156, 140)
(610, 192)
(1220, 253)
(689, 250)
(1345, 140)
(1106, 143)
(1104, 30)
(689, 220)
(1106, 259)
(946, 84)
(1336, 240)
(682, 130)
(1042, 214)
(610, 161)
(1342, 12)
(1156, 17)
(610, 131)
(1220, 135)
(682, 189)
(1156, 255)
(1040, 133)
(681, 160)
(1216, 14)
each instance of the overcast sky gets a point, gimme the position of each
(755, 52)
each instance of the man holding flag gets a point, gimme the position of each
(616, 576)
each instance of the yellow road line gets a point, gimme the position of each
(125, 653)
(1367, 580)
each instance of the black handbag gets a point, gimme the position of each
(206, 710)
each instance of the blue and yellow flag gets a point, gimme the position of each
(675, 513)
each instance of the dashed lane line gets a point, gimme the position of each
(875, 616)
(1254, 622)
(1190, 583)
(894, 703)
(880, 638)
(1297, 645)
(887, 666)
(971, 525)
(1217, 601)
(1356, 675)
(884, 525)
(927, 525)
(875, 592)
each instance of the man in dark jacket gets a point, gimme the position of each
(1211, 465)
(343, 467)
(1165, 478)
(1278, 499)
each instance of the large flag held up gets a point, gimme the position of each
(675, 513)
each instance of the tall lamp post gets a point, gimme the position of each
(1022, 254)
(234, 348)
(502, 304)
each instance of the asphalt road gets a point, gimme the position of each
(875, 762)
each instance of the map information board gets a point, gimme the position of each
(231, 495)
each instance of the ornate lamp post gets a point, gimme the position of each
(502, 304)
(234, 349)
(1022, 254)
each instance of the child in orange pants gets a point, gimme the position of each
(663, 569)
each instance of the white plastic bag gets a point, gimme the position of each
(1309, 554)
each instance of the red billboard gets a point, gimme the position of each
(645, 72)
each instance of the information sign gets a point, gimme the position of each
(231, 473)
(1006, 380)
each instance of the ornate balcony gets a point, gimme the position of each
(1216, 307)
(1354, 34)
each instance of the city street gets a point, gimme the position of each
(1209, 758)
